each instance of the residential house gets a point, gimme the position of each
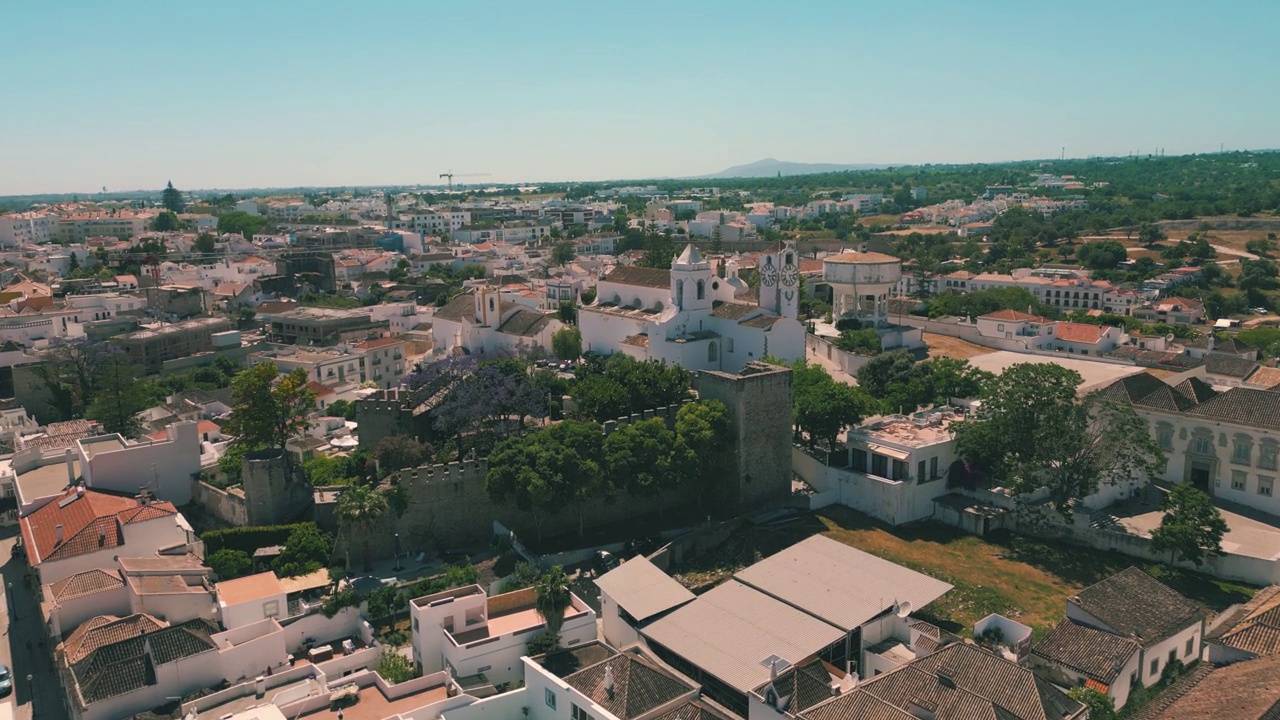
(1250, 631)
(468, 632)
(251, 599)
(384, 361)
(1171, 310)
(1248, 690)
(170, 587)
(1121, 634)
(480, 322)
(959, 682)
(87, 529)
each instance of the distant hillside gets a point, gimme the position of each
(771, 167)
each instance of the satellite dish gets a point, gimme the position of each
(903, 609)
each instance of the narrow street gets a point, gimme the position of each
(22, 645)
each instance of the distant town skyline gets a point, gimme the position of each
(241, 95)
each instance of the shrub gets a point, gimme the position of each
(227, 563)
(248, 538)
(542, 643)
(396, 668)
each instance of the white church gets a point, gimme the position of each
(691, 316)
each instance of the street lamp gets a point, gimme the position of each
(396, 550)
(13, 601)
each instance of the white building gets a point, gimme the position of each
(633, 594)
(692, 317)
(85, 529)
(480, 322)
(1121, 634)
(18, 230)
(250, 599)
(470, 633)
(858, 285)
(172, 587)
(1225, 443)
(384, 361)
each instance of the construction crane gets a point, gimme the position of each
(452, 175)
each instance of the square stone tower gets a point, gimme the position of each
(759, 402)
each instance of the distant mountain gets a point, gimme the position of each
(771, 167)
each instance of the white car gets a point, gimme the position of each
(1260, 311)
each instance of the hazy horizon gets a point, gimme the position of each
(242, 95)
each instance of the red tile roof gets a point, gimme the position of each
(105, 630)
(90, 522)
(1080, 332)
(1015, 316)
(319, 389)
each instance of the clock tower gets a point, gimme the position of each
(780, 281)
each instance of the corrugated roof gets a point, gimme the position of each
(729, 630)
(838, 583)
(643, 590)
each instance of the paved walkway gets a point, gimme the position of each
(41, 697)
(1250, 533)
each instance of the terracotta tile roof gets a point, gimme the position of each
(1228, 365)
(1242, 406)
(104, 630)
(1079, 332)
(960, 681)
(1267, 377)
(1248, 690)
(86, 583)
(524, 323)
(319, 389)
(639, 276)
(638, 685)
(761, 322)
(640, 340)
(90, 522)
(250, 588)
(129, 664)
(732, 310)
(1134, 604)
(460, 308)
(801, 687)
(696, 710)
(859, 705)
(861, 257)
(1016, 316)
(1097, 654)
(1255, 628)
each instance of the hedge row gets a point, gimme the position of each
(248, 538)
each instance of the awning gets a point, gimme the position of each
(891, 452)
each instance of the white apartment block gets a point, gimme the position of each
(32, 228)
(433, 223)
(521, 233)
(78, 227)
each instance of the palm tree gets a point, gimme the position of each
(553, 598)
(360, 507)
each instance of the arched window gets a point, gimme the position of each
(679, 293)
(702, 290)
(713, 352)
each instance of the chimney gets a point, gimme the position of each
(260, 685)
(608, 680)
(102, 537)
(57, 537)
(71, 467)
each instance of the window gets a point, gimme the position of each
(1238, 480)
(1243, 451)
(1164, 435)
(713, 352)
(1155, 668)
(1267, 456)
(879, 465)
(1173, 654)
(920, 477)
(728, 345)
(859, 460)
(1133, 679)
(579, 714)
(1203, 445)
(1191, 644)
(702, 290)
(550, 698)
(933, 467)
(1265, 484)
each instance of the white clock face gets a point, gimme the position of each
(789, 275)
(769, 276)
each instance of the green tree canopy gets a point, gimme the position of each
(823, 408)
(228, 564)
(307, 550)
(360, 508)
(544, 470)
(563, 252)
(639, 457)
(206, 244)
(166, 221)
(554, 597)
(703, 448)
(119, 397)
(171, 198)
(1191, 527)
(269, 408)
(566, 343)
(1031, 432)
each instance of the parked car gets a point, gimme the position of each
(6, 680)
(605, 561)
(1260, 311)
(643, 546)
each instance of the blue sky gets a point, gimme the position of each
(239, 94)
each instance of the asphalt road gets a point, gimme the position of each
(41, 697)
